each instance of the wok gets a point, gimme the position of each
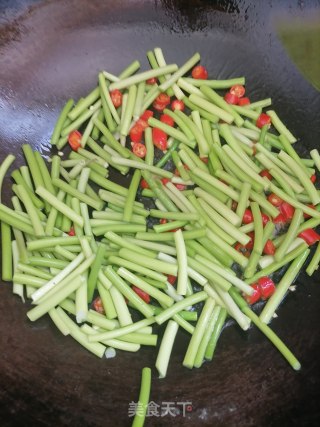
(53, 50)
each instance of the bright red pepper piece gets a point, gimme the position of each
(287, 211)
(199, 72)
(74, 139)
(280, 219)
(230, 98)
(165, 180)
(310, 236)
(177, 104)
(269, 248)
(164, 118)
(171, 279)
(136, 133)
(72, 232)
(244, 101)
(251, 299)
(139, 149)
(267, 287)
(180, 187)
(98, 306)
(247, 217)
(144, 184)
(152, 81)
(266, 173)
(116, 97)
(142, 123)
(262, 120)
(160, 139)
(146, 115)
(313, 178)
(275, 200)
(161, 102)
(237, 90)
(265, 219)
(142, 294)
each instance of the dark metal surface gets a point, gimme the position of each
(53, 50)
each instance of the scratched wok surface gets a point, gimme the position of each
(53, 50)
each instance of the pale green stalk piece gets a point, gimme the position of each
(316, 158)
(182, 263)
(145, 75)
(279, 125)
(166, 348)
(198, 333)
(282, 287)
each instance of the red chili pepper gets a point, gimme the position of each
(142, 123)
(116, 97)
(163, 221)
(177, 104)
(164, 118)
(247, 217)
(146, 115)
(280, 219)
(230, 98)
(165, 180)
(72, 232)
(163, 98)
(310, 236)
(157, 106)
(171, 279)
(267, 287)
(160, 139)
(266, 173)
(237, 90)
(142, 294)
(287, 211)
(265, 219)
(74, 139)
(244, 101)
(98, 306)
(152, 81)
(243, 249)
(180, 187)
(250, 244)
(144, 184)
(161, 102)
(251, 299)
(199, 72)
(313, 178)
(262, 120)
(139, 149)
(275, 200)
(136, 133)
(269, 248)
